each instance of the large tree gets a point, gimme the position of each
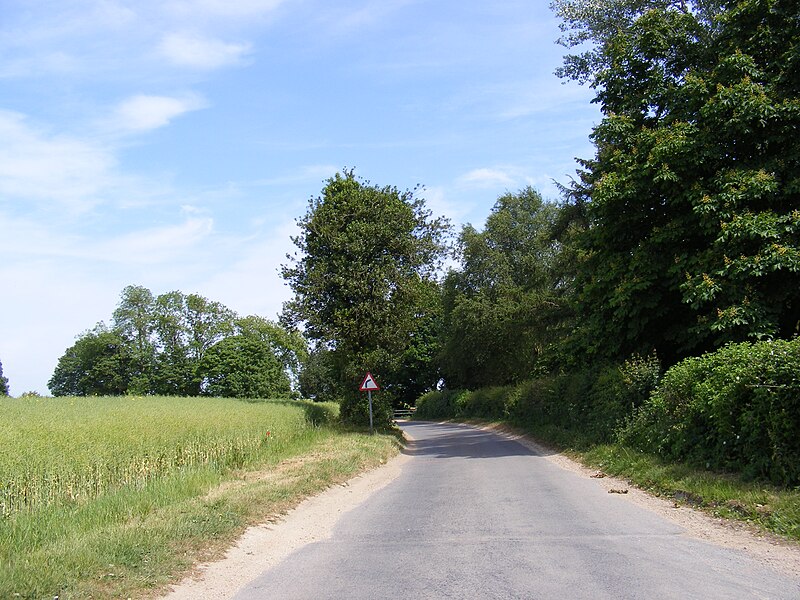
(99, 363)
(501, 306)
(177, 344)
(367, 257)
(185, 327)
(242, 366)
(134, 320)
(691, 200)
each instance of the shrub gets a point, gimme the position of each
(354, 410)
(735, 409)
(437, 404)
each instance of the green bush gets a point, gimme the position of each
(485, 403)
(735, 409)
(354, 410)
(437, 405)
(587, 402)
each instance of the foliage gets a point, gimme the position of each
(98, 364)
(593, 402)
(160, 345)
(355, 410)
(501, 309)
(317, 380)
(362, 282)
(3, 382)
(243, 367)
(691, 198)
(186, 326)
(735, 409)
(288, 345)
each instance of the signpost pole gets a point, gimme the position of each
(369, 395)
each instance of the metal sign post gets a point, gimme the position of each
(368, 385)
(369, 395)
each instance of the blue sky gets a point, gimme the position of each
(173, 143)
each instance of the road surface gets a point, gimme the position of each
(477, 515)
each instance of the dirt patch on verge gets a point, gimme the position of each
(768, 549)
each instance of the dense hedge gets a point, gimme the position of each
(593, 402)
(737, 409)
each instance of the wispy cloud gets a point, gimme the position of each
(201, 52)
(40, 165)
(166, 244)
(143, 112)
(488, 177)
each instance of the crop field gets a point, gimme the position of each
(55, 450)
(111, 497)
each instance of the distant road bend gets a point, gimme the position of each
(476, 515)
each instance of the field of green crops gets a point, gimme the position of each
(110, 497)
(57, 450)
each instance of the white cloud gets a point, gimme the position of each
(166, 244)
(199, 52)
(486, 177)
(143, 113)
(39, 165)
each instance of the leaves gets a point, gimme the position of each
(362, 283)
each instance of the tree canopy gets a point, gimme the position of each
(179, 344)
(691, 199)
(362, 282)
(500, 307)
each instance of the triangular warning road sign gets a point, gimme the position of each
(369, 385)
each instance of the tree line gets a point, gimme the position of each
(179, 344)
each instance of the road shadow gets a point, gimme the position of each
(448, 440)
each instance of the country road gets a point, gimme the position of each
(474, 514)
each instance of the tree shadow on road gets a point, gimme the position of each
(448, 440)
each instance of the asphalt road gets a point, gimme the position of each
(475, 515)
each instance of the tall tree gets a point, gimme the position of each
(501, 307)
(368, 254)
(241, 366)
(3, 382)
(134, 319)
(692, 196)
(186, 326)
(288, 345)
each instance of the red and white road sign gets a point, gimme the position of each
(369, 385)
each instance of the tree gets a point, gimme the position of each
(317, 379)
(240, 366)
(691, 198)
(186, 326)
(3, 382)
(98, 364)
(134, 319)
(368, 255)
(288, 345)
(501, 306)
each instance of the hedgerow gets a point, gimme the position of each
(736, 409)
